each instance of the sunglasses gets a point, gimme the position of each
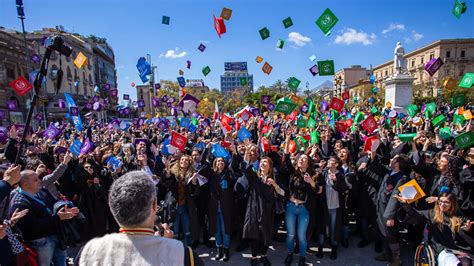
(444, 202)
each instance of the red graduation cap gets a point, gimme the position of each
(219, 25)
(349, 122)
(345, 95)
(21, 86)
(341, 126)
(372, 144)
(337, 104)
(178, 140)
(369, 124)
(292, 116)
(265, 129)
(226, 120)
(225, 144)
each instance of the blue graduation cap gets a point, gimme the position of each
(192, 128)
(185, 122)
(244, 134)
(201, 146)
(218, 151)
(164, 150)
(76, 148)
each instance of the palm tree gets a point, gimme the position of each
(280, 86)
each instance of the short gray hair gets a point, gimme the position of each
(131, 197)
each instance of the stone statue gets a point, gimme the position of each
(399, 61)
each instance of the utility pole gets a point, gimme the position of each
(152, 85)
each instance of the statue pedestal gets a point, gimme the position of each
(399, 91)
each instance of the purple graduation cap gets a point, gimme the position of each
(271, 107)
(201, 47)
(126, 97)
(35, 58)
(107, 86)
(88, 106)
(2, 114)
(156, 102)
(127, 111)
(172, 99)
(96, 98)
(87, 147)
(188, 64)
(39, 117)
(141, 103)
(157, 86)
(168, 104)
(61, 104)
(12, 105)
(97, 106)
(74, 111)
(51, 132)
(265, 99)
(304, 108)
(314, 70)
(114, 93)
(188, 103)
(164, 98)
(121, 111)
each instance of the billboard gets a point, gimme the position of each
(235, 66)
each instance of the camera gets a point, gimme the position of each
(56, 43)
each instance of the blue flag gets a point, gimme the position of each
(114, 163)
(76, 148)
(185, 122)
(219, 151)
(244, 134)
(76, 120)
(144, 69)
(164, 150)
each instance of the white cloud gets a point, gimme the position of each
(127, 77)
(394, 26)
(172, 54)
(415, 36)
(350, 36)
(120, 67)
(298, 39)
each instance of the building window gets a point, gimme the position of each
(463, 54)
(386, 72)
(422, 60)
(448, 54)
(431, 56)
(413, 63)
(10, 73)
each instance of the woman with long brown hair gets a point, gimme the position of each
(447, 229)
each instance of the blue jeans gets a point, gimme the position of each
(293, 211)
(182, 218)
(48, 251)
(221, 236)
(331, 222)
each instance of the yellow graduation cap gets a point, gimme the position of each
(467, 115)
(461, 110)
(259, 59)
(411, 191)
(148, 116)
(80, 60)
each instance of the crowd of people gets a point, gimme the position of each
(320, 183)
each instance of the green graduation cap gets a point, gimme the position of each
(311, 123)
(430, 109)
(264, 33)
(406, 137)
(459, 8)
(280, 43)
(206, 70)
(243, 81)
(412, 110)
(335, 114)
(465, 140)
(287, 22)
(314, 137)
(326, 68)
(308, 100)
(194, 121)
(293, 83)
(327, 21)
(285, 106)
(458, 100)
(467, 81)
(445, 133)
(359, 117)
(374, 110)
(301, 123)
(439, 120)
(311, 107)
(459, 120)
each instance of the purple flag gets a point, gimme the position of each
(51, 132)
(168, 104)
(35, 58)
(114, 93)
(2, 114)
(39, 117)
(314, 70)
(3, 135)
(164, 98)
(107, 86)
(106, 101)
(255, 111)
(127, 111)
(126, 97)
(201, 47)
(157, 86)
(87, 146)
(121, 111)
(97, 106)
(156, 102)
(433, 65)
(96, 98)
(271, 107)
(304, 108)
(141, 103)
(74, 111)
(61, 104)
(324, 106)
(88, 106)
(172, 99)
(265, 99)
(12, 105)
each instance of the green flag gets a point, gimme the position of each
(327, 21)
(439, 121)
(326, 68)
(194, 121)
(467, 81)
(314, 137)
(280, 43)
(311, 107)
(287, 22)
(465, 140)
(458, 100)
(264, 33)
(430, 109)
(243, 81)
(374, 110)
(412, 110)
(359, 117)
(293, 83)
(285, 107)
(459, 8)
(445, 133)
(406, 137)
(206, 70)
(301, 123)
(459, 120)
(311, 123)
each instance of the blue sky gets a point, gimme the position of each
(365, 34)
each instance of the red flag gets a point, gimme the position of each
(337, 104)
(341, 126)
(265, 144)
(226, 120)
(292, 116)
(345, 95)
(219, 25)
(216, 111)
(261, 123)
(225, 144)
(265, 129)
(178, 140)
(349, 122)
(21, 86)
(371, 144)
(245, 115)
(369, 124)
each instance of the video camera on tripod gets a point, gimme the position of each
(56, 43)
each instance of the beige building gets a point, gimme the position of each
(348, 77)
(457, 55)
(196, 88)
(146, 93)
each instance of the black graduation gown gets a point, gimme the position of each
(225, 197)
(260, 212)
